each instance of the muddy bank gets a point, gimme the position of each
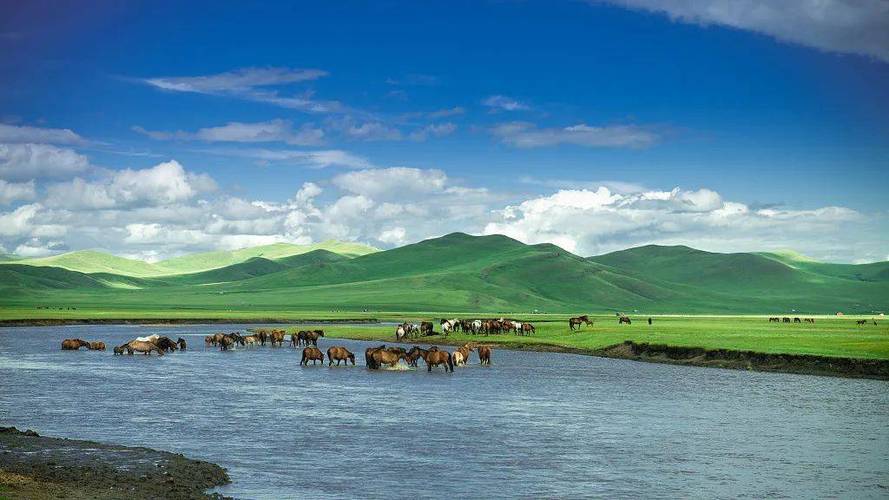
(32, 466)
(182, 321)
(749, 360)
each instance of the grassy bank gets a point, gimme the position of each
(836, 337)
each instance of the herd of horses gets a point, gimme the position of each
(785, 319)
(375, 357)
(472, 326)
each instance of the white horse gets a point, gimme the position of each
(400, 332)
(150, 338)
(476, 326)
(412, 328)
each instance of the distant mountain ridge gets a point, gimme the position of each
(90, 261)
(459, 272)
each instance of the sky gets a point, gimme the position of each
(154, 129)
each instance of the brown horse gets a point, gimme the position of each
(167, 344)
(426, 328)
(74, 344)
(97, 346)
(810, 320)
(860, 322)
(624, 319)
(119, 349)
(312, 353)
(378, 356)
(461, 355)
(578, 321)
(313, 336)
(143, 347)
(339, 353)
(774, 320)
(527, 329)
(277, 338)
(436, 357)
(484, 354)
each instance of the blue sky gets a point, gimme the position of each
(772, 122)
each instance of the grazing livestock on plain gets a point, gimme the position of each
(578, 321)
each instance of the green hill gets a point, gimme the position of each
(459, 272)
(90, 261)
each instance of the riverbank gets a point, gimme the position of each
(180, 321)
(37, 467)
(608, 346)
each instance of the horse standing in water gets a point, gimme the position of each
(484, 354)
(461, 355)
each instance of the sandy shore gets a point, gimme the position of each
(36, 467)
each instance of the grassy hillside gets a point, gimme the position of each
(459, 272)
(214, 260)
(89, 261)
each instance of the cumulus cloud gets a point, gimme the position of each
(20, 134)
(268, 131)
(13, 191)
(527, 135)
(253, 84)
(29, 161)
(164, 184)
(589, 222)
(846, 26)
(503, 103)
(161, 211)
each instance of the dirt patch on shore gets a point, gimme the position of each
(748, 360)
(32, 466)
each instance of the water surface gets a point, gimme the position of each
(532, 425)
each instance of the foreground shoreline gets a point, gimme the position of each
(33, 466)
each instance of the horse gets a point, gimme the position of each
(74, 344)
(119, 350)
(210, 340)
(436, 357)
(461, 355)
(413, 355)
(97, 346)
(263, 336)
(277, 338)
(143, 347)
(400, 333)
(251, 340)
(797, 320)
(476, 326)
(229, 340)
(166, 344)
(774, 320)
(312, 353)
(313, 336)
(578, 321)
(150, 338)
(182, 345)
(447, 326)
(527, 329)
(339, 353)
(785, 320)
(624, 319)
(484, 354)
(426, 329)
(863, 322)
(378, 356)
(810, 320)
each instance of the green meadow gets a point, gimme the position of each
(699, 299)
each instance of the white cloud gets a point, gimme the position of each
(846, 26)
(235, 81)
(34, 248)
(315, 159)
(373, 131)
(30, 161)
(12, 191)
(164, 184)
(393, 236)
(18, 222)
(19, 134)
(252, 84)
(503, 103)
(526, 135)
(397, 182)
(433, 130)
(269, 131)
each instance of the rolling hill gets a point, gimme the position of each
(90, 261)
(459, 272)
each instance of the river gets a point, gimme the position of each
(531, 425)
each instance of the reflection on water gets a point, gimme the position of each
(531, 425)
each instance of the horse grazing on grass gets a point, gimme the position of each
(528, 329)
(797, 320)
(810, 320)
(774, 320)
(624, 319)
(863, 322)
(578, 321)
(785, 320)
